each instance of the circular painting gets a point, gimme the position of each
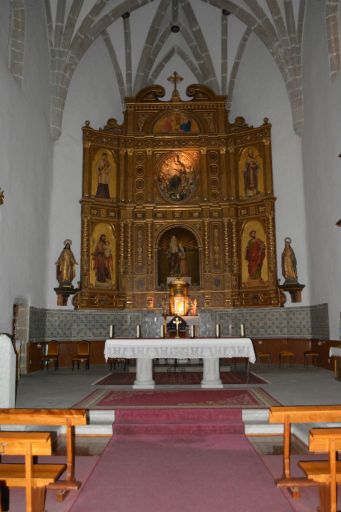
(177, 176)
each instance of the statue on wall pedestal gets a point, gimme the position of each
(66, 266)
(289, 263)
(289, 272)
(65, 274)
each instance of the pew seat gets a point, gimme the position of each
(29, 475)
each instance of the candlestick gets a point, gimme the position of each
(242, 330)
(230, 328)
(138, 331)
(217, 330)
(162, 331)
(192, 331)
(111, 331)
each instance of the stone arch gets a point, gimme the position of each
(333, 35)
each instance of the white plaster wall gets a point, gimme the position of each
(93, 95)
(25, 149)
(322, 167)
(260, 92)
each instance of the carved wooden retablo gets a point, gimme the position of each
(177, 190)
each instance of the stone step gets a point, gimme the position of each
(178, 429)
(177, 415)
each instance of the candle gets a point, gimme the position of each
(192, 331)
(162, 331)
(242, 330)
(111, 331)
(230, 328)
(138, 331)
(217, 330)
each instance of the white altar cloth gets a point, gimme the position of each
(208, 349)
(335, 352)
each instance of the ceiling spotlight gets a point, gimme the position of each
(126, 15)
(175, 29)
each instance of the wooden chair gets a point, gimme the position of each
(83, 355)
(286, 355)
(312, 357)
(113, 361)
(51, 354)
(264, 356)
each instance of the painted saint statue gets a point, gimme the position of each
(103, 175)
(289, 264)
(66, 266)
(255, 254)
(251, 175)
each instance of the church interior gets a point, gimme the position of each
(169, 290)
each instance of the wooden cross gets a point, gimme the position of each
(177, 322)
(174, 79)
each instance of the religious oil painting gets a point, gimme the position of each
(178, 256)
(254, 255)
(176, 123)
(251, 173)
(103, 256)
(178, 175)
(104, 173)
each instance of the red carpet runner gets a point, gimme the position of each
(174, 473)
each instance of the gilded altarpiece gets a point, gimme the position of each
(177, 190)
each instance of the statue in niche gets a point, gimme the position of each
(173, 257)
(183, 269)
(255, 254)
(289, 263)
(251, 171)
(103, 261)
(66, 266)
(103, 169)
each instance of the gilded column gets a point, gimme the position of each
(149, 177)
(128, 177)
(226, 244)
(122, 175)
(129, 262)
(204, 174)
(272, 250)
(149, 249)
(122, 248)
(85, 252)
(223, 173)
(268, 188)
(233, 185)
(234, 247)
(207, 255)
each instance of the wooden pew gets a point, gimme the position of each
(299, 414)
(52, 417)
(33, 477)
(326, 473)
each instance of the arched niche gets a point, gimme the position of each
(178, 255)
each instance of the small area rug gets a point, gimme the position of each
(242, 398)
(174, 378)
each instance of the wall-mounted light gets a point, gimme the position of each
(2, 196)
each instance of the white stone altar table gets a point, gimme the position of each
(144, 350)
